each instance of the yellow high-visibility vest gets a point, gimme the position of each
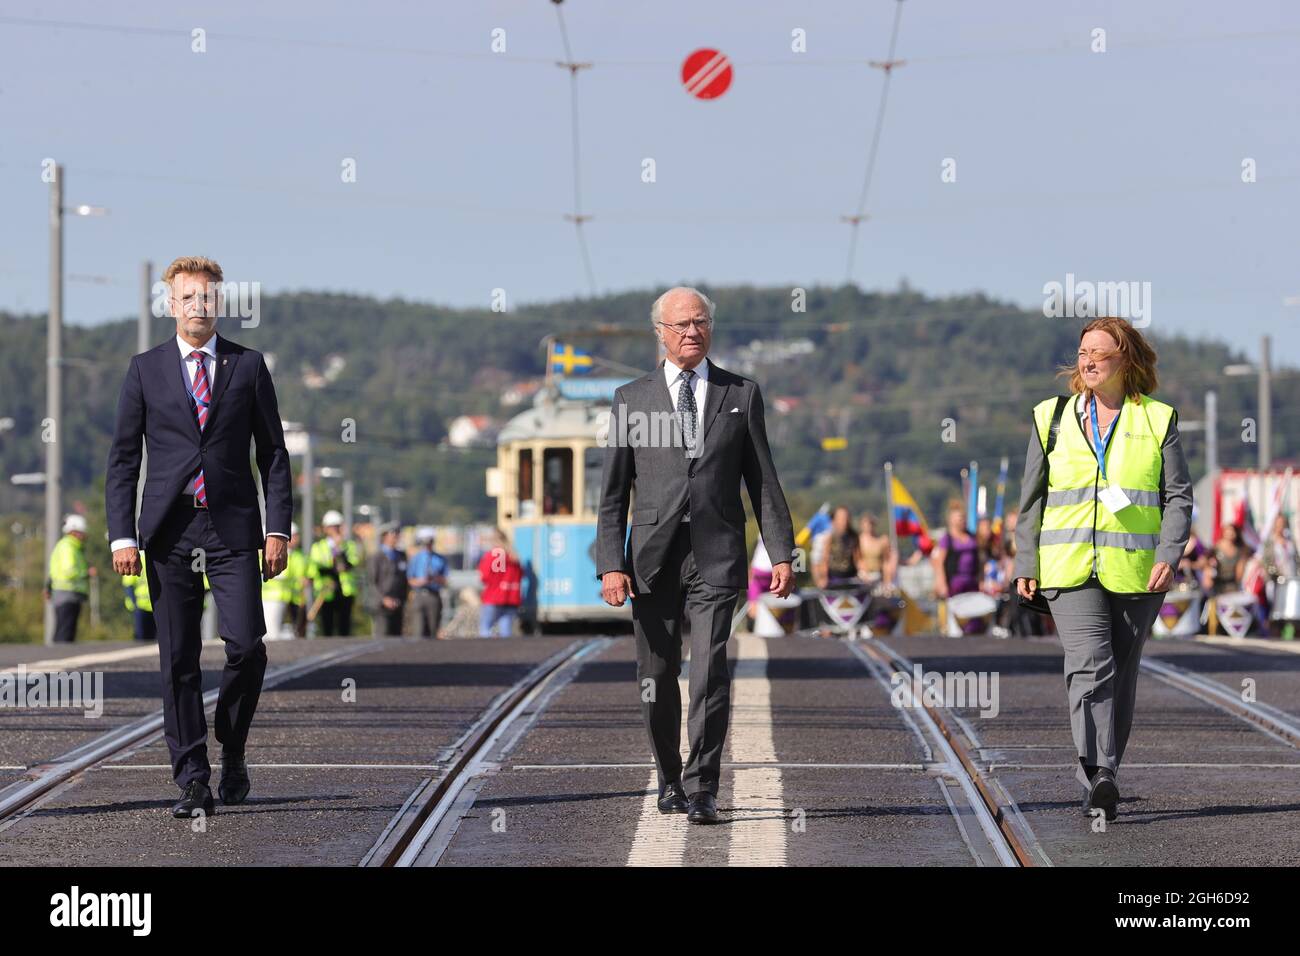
(69, 570)
(322, 559)
(1079, 534)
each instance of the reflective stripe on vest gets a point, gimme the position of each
(1079, 534)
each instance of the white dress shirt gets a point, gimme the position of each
(209, 350)
(700, 389)
(701, 383)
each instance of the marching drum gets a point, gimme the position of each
(1286, 600)
(964, 609)
(1180, 615)
(1236, 610)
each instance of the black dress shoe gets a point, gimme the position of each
(703, 808)
(234, 785)
(197, 797)
(1104, 794)
(672, 798)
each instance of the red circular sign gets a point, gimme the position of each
(706, 74)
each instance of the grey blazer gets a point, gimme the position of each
(659, 479)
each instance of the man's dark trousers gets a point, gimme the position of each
(656, 619)
(177, 593)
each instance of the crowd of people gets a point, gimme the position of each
(404, 592)
(961, 561)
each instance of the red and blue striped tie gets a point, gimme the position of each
(202, 393)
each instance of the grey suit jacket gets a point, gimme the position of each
(659, 479)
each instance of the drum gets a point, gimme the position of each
(1180, 615)
(1236, 610)
(1286, 600)
(776, 616)
(970, 613)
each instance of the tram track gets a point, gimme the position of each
(41, 780)
(1000, 822)
(422, 828)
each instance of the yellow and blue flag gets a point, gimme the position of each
(567, 360)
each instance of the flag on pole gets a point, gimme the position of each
(567, 360)
(818, 523)
(907, 517)
(998, 503)
(972, 503)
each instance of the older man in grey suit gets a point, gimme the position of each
(686, 554)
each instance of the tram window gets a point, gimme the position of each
(593, 463)
(527, 506)
(557, 481)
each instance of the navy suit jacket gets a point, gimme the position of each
(155, 405)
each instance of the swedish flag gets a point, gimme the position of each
(566, 360)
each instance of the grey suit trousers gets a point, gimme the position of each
(1102, 634)
(677, 591)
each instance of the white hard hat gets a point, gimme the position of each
(424, 534)
(74, 523)
(293, 527)
(332, 519)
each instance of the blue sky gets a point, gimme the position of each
(1123, 165)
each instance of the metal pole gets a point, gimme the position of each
(54, 388)
(347, 509)
(889, 508)
(1211, 433)
(1265, 407)
(306, 532)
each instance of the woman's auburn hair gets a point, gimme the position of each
(1139, 358)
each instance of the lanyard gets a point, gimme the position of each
(1098, 445)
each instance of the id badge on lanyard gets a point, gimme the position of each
(1112, 496)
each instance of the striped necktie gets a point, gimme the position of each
(202, 393)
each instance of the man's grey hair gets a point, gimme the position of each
(656, 310)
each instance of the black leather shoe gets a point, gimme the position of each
(234, 785)
(1104, 794)
(672, 798)
(197, 797)
(703, 808)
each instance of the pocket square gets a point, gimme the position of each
(734, 410)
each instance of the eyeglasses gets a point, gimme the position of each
(1096, 355)
(681, 328)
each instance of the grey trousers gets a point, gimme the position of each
(657, 621)
(1102, 634)
(426, 606)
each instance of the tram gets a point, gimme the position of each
(547, 486)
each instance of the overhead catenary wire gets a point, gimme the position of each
(576, 217)
(855, 221)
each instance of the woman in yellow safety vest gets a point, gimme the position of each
(1105, 513)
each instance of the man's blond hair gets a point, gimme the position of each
(195, 265)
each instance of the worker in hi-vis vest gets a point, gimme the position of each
(68, 585)
(1105, 512)
(331, 566)
(282, 594)
(138, 602)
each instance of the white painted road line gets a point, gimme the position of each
(85, 660)
(757, 817)
(660, 838)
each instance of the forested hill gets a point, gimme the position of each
(884, 371)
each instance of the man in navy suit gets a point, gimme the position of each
(200, 400)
